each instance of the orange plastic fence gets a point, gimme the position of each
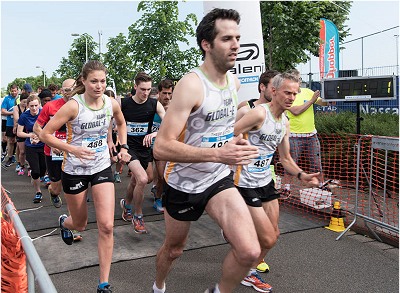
(13, 259)
(378, 197)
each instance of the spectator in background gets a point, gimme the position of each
(165, 89)
(54, 89)
(40, 88)
(33, 146)
(154, 93)
(303, 134)
(7, 107)
(20, 152)
(118, 167)
(139, 114)
(45, 96)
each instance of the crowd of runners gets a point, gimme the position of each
(199, 148)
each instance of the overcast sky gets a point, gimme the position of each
(39, 33)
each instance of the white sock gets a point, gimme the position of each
(156, 290)
(252, 271)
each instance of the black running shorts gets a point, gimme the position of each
(254, 197)
(74, 184)
(183, 206)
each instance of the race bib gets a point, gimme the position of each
(137, 128)
(215, 140)
(96, 143)
(61, 135)
(155, 127)
(260, 164)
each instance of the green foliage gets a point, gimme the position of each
(156, 39)
(71, 67)
(118, 60)
(35, 82)
(291, 29)
(382, 124)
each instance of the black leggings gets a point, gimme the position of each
(37, 161)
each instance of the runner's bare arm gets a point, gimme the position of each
(188, 96)
(252, 120)
(66, 113)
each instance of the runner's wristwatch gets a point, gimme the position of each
(125, 146)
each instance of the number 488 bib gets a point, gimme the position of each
(97, 143)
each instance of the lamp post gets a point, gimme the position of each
(77, 35)
(44, 75)
(397, 53)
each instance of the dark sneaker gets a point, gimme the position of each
(9, 163)
(126, 212)
(56, 201)
(13, 159)
(255, 281)
(138, 225)
(66, 234)
(38, 197)
(106, 289)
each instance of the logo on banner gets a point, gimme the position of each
(252, 52)
(247, 68)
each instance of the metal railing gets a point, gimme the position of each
(35, 268)
(377, 212)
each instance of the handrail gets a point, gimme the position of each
(34, 261)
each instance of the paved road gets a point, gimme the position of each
(307, 258)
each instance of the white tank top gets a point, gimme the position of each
(89, 129)
(267, 138)
(210, 126)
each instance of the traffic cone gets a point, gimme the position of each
(336, 224)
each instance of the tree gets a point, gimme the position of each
(291, 29)
(119, 63)
(156, 40)
(71, 67)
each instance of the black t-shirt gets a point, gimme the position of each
(139, 120)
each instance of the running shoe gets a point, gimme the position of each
(262, 267)
(46, 180)
(56, 200)
(126, 212)
(77, 235)
(254, 280)
(13, 159)
(106, 289)
(9, 163)
(117, 178)
(17, 168)
(66, 234)
(3, 156)
(138, 225)
(42, 179)
(158, 205)
(21, 171)
(38, 197)
(153, 191)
